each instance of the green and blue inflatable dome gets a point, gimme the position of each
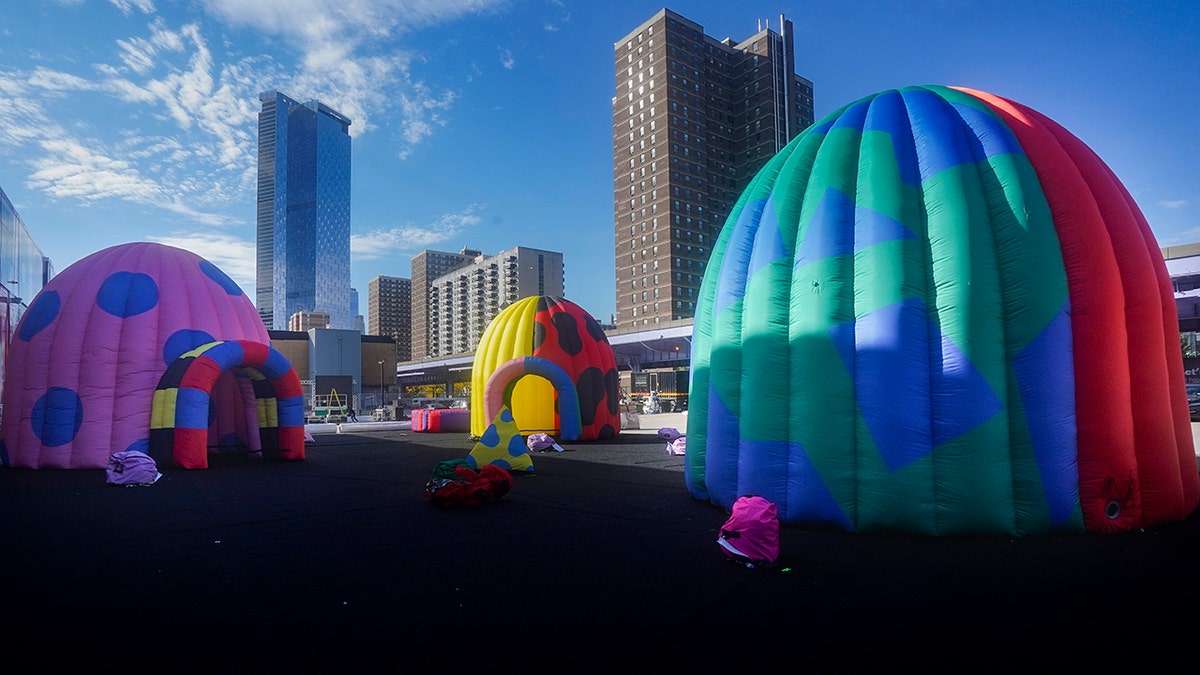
(936, 311)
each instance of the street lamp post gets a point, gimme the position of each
(382, 396)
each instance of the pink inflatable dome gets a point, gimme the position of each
(143, 347)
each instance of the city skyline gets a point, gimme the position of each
(487, 125)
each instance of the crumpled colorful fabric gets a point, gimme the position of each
(466, 486)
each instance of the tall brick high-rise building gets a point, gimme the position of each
(694, 118)
(389, 312)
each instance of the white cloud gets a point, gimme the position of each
(127, 6)
(506, 58)
(319, 19)
(180, 115)
(341, 65)
(54, 81)
(139, 54)
(217, 103)
(135, 56)
(22, 118)
(565, 18)
(385, 242)
(422, 115)
(73, 169)
(234, 256)
(1175, 203)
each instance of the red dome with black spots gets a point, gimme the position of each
(556, 340)
(567, 335)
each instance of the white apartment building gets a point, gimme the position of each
(463, 302)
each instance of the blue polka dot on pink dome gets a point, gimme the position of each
(127, 294)
(57, 416)
(182, 341)
(41, 313)
(213, 272)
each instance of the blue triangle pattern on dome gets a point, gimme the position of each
(839, 227)
(1044, 373)
(768, 241)
(887, 116)
(906, 424)
(875, 227)
(852, 117)
(731, 279)
(830, 231)
(816, 503)
(940, 124)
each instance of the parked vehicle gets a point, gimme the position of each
(1193, 396)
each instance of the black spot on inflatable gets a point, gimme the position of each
(591, 385)
(568, 333)
(612, 382)
(594, 329)
(539, 335)
(545, 302)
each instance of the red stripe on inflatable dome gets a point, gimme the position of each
(191, 448)
(254, 354)
(287, 385)
(1185, 450)
(1157, 443)
(291, 442)
(1105, 444)
(201, 374)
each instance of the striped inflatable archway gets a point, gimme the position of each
(179, 415)
(499, 388)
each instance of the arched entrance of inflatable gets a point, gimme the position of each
(182, 412)
(499, 388)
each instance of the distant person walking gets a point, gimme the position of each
(351, 416)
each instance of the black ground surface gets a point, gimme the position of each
(601, 562)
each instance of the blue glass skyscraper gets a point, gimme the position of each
(303, 244)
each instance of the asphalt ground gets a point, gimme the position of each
(599, 562)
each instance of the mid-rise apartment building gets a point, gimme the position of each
(463, 302)
(427, 266)
(694, 118)
(302, 322)
(389, 312)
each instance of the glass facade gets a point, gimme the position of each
(303, 211)
(24, 270)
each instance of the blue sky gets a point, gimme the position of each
(487, 123)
